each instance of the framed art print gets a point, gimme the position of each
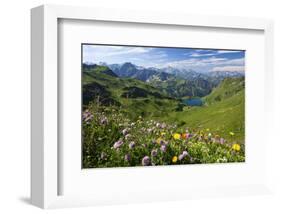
(149, 106)
(132, 106)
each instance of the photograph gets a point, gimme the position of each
(160, 106)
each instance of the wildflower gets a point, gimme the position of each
(185, 135)
(163, 126)
(125, 131)
(87, 116)
(127, 136)
(183, 155)
(210, 135)
(140, 117)
(159, 140)
(222, 141)
(176, 136)
(145, 161)
(231, 133)
(127, 157)
(163, 148)
(236, 147)
(158, 125)
(118, 144)
(207, 129)
(163, 133)
(174, 159)
(132, 145)
(154, 152)
(104, 120)
(103, 155)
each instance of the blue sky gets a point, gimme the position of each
(200, 60)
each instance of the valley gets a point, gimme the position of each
(158, 95)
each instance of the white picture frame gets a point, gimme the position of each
(45, 87)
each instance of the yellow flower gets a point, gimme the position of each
(163, 133)
(231, 133)
(174, 159)
(236, 147)
(207, 129)
(177, 136)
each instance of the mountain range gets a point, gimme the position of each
(223, 108)
(173, 81)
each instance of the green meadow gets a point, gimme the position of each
(129, 122)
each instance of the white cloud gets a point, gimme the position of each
(229, 68)
(202, 55)
(227, 51)
(205, 64)
(129, 50)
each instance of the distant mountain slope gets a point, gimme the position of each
(170, 84)
(99, 69)
(136, 97)
(223, 115)
(227, 88)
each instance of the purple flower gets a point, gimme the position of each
(104, 120)
(183, 155)
(87, 116)
(127, 136)
(222, 141)
(154, 152)
(163, 126)
(127, 157)
(118, 144)
(163, 148)
(125, 131)
(145, 161)
(132, 145)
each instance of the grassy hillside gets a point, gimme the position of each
(223, 112)
(227, 88)
(127, 122)
(135, 97)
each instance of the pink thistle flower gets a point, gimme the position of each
(132, 145)
(118, 144)
(163, 148)
(145, 161)
(127, 157)
(154, 153)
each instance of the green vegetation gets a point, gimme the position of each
(223, 112)
(128, 111)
